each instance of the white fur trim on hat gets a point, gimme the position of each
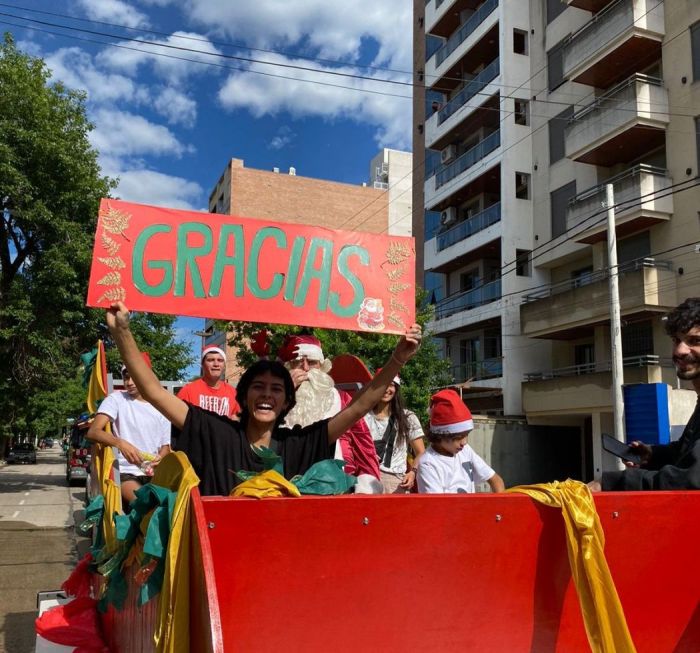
(448, 429)
(312, 352)
(213, 349)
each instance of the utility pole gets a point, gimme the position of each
(615, 328)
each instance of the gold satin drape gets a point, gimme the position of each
(601, 609)
(266, 484)
(172, 633)
(103, 462)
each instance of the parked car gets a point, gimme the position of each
(24, 452)
(78, 454)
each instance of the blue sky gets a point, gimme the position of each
(166, 126)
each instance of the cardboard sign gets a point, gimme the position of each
(231, 268)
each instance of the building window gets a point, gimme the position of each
(554, 8)
(555, 66)
(637, 339)
(695, 49)
(521, 114)
(519, 41)
(522, 185)
(584, 357)
(632, 249)
(523, 262)
(559, 200)
(557, 132)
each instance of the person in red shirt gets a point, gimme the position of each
(211, 392)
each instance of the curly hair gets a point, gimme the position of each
(684, 317)
(255, 370)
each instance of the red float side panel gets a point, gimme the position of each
(443, 573)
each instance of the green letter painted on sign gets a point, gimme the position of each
(311, 272)
(137, 261)
(359, 291)
(223, 260)
(186, 257)
(254, 264)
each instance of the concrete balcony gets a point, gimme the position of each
(461, 41)
(571, 309)
(463, 104)
(605, 49)
(583, 389)
(621, 125)
(642, 198)
(442, 16)
(593, 6)
(489, 368)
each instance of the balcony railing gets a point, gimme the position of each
(469, 227)
(468, 159)
(595, 277)
(471, 88)
(454, 41)
(489, 368)
(640, 185)
(609, 23)
(468, 299)
(644, 360)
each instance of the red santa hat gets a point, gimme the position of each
(146, 357)
(213, 349)
(449, 414)
(297, 346)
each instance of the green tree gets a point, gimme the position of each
(420, 377)
(50, 188)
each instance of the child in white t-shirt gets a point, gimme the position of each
(450, 465)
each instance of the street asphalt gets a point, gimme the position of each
(38, 543)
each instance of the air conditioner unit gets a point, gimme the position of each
(448, 216)
(448, 154)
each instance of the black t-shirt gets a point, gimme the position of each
(217, 447)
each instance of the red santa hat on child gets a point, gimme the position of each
(213, 349)
(449, 414)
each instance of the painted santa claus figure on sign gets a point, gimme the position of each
(317, 398)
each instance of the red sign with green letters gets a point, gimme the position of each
(226, 267)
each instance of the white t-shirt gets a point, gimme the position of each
(438, 474)
(136, 422)
(377, 427)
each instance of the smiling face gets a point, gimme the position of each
(686, 354)
(389, 393)
(130, 386)
(213, 366)
(266, 398)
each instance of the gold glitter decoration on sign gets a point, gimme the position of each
(396, 305)
(393, 275)
(116, 222)
(111, 245)
(397, 253)
(114, 262)
(113, 295)
(396, 321)
(110, 279)
(396, 288)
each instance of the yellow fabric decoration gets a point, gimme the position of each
(601, 609)
(266, 484)
(172, 633)
(97, 385)
(104, 461)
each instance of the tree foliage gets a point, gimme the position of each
(420, 377)
(50, 188)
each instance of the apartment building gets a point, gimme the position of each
(382, 205)
(529, 108)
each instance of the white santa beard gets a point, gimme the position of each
(316, 399)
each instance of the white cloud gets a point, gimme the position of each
(151, 187)
(175, 65)
(177, 108)
(120, 133)
(338, 28)
(75, 68)
(266, 96)
(283, 138)
(114, 11)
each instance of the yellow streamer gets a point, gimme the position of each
(173, 626)
(103, 463)
(601, 609)
(266, 484)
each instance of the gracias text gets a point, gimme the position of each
(303, 267)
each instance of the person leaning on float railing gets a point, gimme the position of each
(218, 447)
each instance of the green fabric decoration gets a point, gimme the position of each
(270, 460)
(88, 362)
(325, 477)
